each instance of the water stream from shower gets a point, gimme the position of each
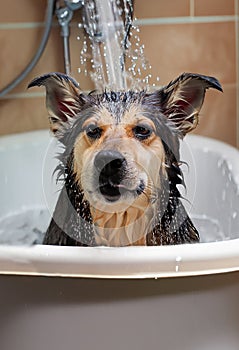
(113, 46)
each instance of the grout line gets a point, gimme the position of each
(25, 25)
(192, 8)
(184, 20)
(229, 85)
(28, 25)
(20, 95)
(140, 22)
(237, 69)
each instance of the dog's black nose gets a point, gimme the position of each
(109, 162)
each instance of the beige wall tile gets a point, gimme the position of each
(161, 8)
(214, 7)
(218, 115)
(21, 45)
(207, 48)
(21, 115)
(22, 10)
(19, 48)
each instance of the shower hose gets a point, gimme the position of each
(36, 57)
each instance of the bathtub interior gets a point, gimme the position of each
(29, 191)
(212, 183)
(24, 216)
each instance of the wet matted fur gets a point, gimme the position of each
(121, 162)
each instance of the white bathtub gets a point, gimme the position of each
(126, 303)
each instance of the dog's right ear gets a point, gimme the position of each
(181, 100)
(63, 98)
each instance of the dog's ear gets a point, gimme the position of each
(182, 99)
(63, 98)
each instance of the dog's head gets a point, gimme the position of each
(121, 142)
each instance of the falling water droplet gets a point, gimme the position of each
(105, 38)
(178, 260)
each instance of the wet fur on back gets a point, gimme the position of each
(121, 162)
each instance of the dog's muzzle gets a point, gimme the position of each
(111, 168)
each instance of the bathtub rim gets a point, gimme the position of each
(123, 262)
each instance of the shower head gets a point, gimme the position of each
(74, 4)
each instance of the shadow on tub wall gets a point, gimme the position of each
(63, 313)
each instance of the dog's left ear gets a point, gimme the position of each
(63, 98)
(182, 99)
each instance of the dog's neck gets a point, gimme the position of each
(123, 228)
(127, 226)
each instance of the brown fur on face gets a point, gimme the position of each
(126, 220)
(121, 160)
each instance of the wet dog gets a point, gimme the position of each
(121, 162)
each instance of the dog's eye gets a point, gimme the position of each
(93, 131)
(142, 132)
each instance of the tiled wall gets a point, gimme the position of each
(179, 35)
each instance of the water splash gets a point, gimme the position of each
(210, 229)
(25, 227)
